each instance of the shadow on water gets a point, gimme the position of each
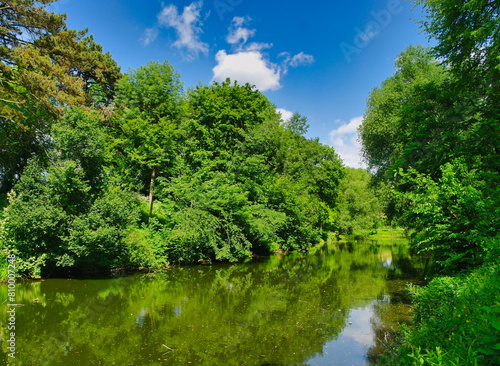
(336, 305)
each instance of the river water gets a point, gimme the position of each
(333, 307)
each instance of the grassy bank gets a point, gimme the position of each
(457, 322)
(384, 235)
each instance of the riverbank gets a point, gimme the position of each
(456, 322)
(385, 235)
(456, 319)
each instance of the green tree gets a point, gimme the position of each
(431, 119)
(404, 122)
(467, 35)
(297, 124)
(79, 136)
(221, 115)
(148, 104)
(452, 216)
(359, 208)
(63, 215)
(44, 67)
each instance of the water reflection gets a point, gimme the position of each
(332, 307)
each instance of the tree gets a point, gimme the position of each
(297, 125)
(467, 35)
(221, 115)
(79, 136)
(404, 120)
(441, 150)
(359, 208)
(148, 105)
(451, 216)
(44, 67)
(43, 61)
(68, 214)
(467, 38)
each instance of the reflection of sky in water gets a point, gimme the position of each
(141, 317)
(353, 342)
(178, 310)
(387, 263)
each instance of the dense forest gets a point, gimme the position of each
(100, 169)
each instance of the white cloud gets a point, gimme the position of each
(301, 59)
(255, 46)
(345, 142)
(238, 33)
(149, 36)
(296, 60)
(238, 36)
(186, 25)
(285, 115)
(247, 67)
(239, 21)
(248, 64)
(349, 128)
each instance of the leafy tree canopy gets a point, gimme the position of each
(44, 67)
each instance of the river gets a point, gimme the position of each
(335, 306)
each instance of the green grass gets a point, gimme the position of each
(381, 236)
(388, 236)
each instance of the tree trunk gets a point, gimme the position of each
(151, 188)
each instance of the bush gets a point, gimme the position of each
(452, 216)
(146, 247)
(54, 222)
(457, 322)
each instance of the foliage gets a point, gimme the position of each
(44, 68)
(431, 133)
(221, 115)
(404, 123)
(151, 91)
(467, 36)
(297, 125)
(227, 178)
(53, 221)
(452, 217)
(468, 42)
(359, 209)
(242, 183)
(79, 136)
(148, 109)
(457, 322)
(60, 216)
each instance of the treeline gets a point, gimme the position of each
(108, 170)
(431, 133)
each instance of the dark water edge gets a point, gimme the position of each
(336, 306)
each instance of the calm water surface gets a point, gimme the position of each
(333, 307)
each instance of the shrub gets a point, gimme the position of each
(457, 322)
(452, 216)
(53, 221)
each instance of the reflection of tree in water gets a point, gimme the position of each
(393, 308)
(278, 311)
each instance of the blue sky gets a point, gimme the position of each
(318, 58)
